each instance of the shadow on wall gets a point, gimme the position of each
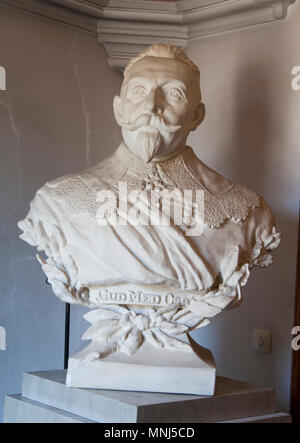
(251, 144)
(269, 294)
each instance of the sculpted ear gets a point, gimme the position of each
(198, 117)
(116, 106)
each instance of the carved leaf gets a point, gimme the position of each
(110, 348)
(168, 311)
(132, 343)
(61, 291)
(221, 301)
(41, 232)
(122, 334)
(102, 331)
(188, 318)
(171, 342)
(28, 237)
(256, 251)
(53, 272)
(72, 267)
(61, 239)
(203, 323)
(271, 241)
(204, 309)
(101, 314)
(117, 308)
(264, 260)
(92, 356)
(54, 246)
(152, 338)
(26, 224)
(173, 328)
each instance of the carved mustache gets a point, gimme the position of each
(154, 121)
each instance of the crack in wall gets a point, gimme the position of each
(83, 101)
(43, 47)
(16, 132)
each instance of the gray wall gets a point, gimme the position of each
(252, 135)
(56, 117)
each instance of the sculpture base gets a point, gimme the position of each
(46, 399)
(149, 370)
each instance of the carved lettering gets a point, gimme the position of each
(136, 297)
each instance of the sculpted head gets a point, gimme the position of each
(160, 102)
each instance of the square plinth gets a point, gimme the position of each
(148, 370)
(232, 400)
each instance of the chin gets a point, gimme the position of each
(147, 146)
(144, 144)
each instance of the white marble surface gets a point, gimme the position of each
(149, 370)
(232, 400)
(19, 409)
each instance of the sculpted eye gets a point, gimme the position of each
(174, 94)
(138, 92)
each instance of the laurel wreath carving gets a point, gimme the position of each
(126, 329)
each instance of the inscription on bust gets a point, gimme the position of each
(138, 297)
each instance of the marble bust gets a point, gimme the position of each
(149, 279)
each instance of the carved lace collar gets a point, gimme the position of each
(223, 200)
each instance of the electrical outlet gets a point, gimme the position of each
(262, 341)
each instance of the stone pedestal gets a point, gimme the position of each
(46, 399)
(149, 370)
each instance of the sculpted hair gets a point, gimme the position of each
(163, 50)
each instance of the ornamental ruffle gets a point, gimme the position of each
(233, 204)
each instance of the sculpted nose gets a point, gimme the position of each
(153, 103)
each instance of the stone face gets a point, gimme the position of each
(233, 400)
